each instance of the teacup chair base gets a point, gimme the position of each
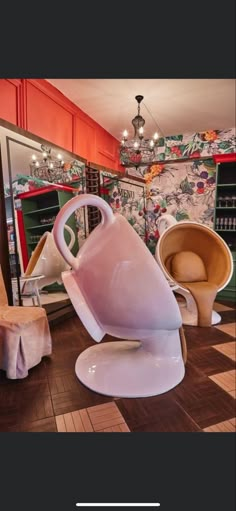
(188, 308)
(133, 369)
(126, 368)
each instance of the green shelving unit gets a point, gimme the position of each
(225, 217)
(39, 212)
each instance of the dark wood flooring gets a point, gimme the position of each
(52, 387)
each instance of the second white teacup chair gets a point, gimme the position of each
(197, 264)
(47, 261)
(117, 288)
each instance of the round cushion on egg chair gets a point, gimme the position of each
(196, 258)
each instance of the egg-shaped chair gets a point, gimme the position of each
(197, 264)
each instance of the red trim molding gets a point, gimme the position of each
(45, 189)
(22, 236)
(23, 106)
(223, 158)
(18, 83)
(107, 154)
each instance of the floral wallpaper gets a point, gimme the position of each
(193, 145)
(185, 190)
(23, 183)
(127, 198)
(81, 224)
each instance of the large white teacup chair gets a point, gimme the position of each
(117, 288)
(197, 264)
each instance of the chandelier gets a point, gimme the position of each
(138, 151)
(46, 167)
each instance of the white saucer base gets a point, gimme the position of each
(191, 318)
(188, 308)
(216, 318)
(127, 369)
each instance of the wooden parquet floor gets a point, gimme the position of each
(52, 399)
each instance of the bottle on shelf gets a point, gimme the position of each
(228, 201)
(225, 203)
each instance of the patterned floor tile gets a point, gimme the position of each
(227, 317)
(47, 425)
(52, 398)
(228, 349)
(222, 427)
(209, 361)
(226, 381)
(228, 328)
(219, 307)
(100, 418)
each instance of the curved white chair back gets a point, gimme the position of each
(165, 221)
(47, 260)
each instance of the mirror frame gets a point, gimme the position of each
(4, 248)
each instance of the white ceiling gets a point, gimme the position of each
(177, 106)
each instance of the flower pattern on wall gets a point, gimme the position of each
(128, 199)
(185, 190)
(190, 145)
(74, 171)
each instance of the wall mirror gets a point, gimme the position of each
(38, 179)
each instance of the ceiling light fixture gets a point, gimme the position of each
(47, 168)
(138, 151)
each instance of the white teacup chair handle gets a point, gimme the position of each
(72, 236)
(60, 223)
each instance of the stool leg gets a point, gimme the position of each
(37, 295)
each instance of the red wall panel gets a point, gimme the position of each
(107, 149)
(38, 107)
(85, 137)
(47, 119)
(8, 101)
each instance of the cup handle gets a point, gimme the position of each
(85, 199)
(72, 236)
